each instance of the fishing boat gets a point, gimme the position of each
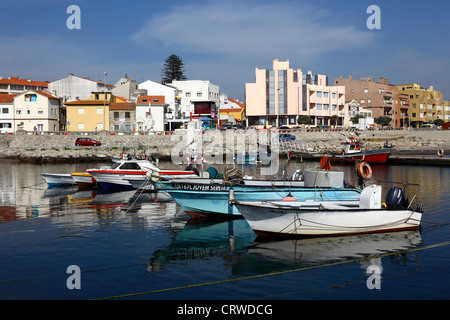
(117, 176)
(84, 180)
(353, 151)
(204, 197)
(58, 179)
(333, 218)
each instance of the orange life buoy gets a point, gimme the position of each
(121, 156)
(364, 171)
(325, 163)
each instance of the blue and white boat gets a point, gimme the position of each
(203, 197)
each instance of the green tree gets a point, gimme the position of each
(355, 119)
(304, 120)
(173, 69)
(334, 120)
(438, 122)
(383, 120)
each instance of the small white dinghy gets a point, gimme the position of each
(56, 179)
(333, 218)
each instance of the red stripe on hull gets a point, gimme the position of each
(265, 234)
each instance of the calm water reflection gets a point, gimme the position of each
(129, 242)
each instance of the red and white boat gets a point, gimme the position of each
(119, 175)
(353, 150)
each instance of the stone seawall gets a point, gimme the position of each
(61, 147)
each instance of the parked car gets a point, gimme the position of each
(226, 126)
(87, 142)
(285, 137)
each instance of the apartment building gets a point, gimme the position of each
(280, 95)
(37, 111)
(381, 98)
(77, 88)
(425, 104)
(15, 85)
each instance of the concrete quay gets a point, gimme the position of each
(411, 146)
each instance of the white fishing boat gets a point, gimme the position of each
(84, 180)
(333, 218)
(56, 179)
(117, 176)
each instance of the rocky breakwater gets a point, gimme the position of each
(29, 147)
(54, 148)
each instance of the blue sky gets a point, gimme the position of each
(223, 41)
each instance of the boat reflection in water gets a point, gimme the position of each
(238, 246)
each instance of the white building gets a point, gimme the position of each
(76, 88)
(7, 113)
(14, 85)
(150, 115)
(198, 97)
(36, 111)
(128, 88)
(170, 96)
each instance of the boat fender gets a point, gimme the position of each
(440, 153)
(230, 196)
(121, 156)
(364, 170)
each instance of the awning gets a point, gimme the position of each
(205, 119)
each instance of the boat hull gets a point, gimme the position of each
(268, 220)
(84, 180)
(373, 157)
(56, 179)
(212, 200)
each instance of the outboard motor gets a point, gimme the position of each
(192, 168)
(395, 198)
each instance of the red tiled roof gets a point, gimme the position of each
(7, 98)
(238, 103)
(17, 80)
(122, 106)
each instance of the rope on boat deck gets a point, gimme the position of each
(276, 273)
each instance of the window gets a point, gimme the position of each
(99, 110)
(116, 115)
(333, 107)
(99, 126)
(188, 94)
(40, 127)
(319, 94)
(5, 110)
(333, 95)
(127, 114)
(18, 111)
(366, 90)
(199, 94)
(325, 107)
(80, 110)
(30, 97)
(319, 106)
(40, 111)
(325, 94)
(81, 126)
(362, 101)
(28, 111)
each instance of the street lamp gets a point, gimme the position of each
(104, 103)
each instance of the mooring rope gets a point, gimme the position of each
(276, 273)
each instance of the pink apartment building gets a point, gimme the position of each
(280, 95)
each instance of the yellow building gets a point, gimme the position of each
(233, 108)
(91, 114)
(425, 104)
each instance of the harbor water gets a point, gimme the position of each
(65, 243)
